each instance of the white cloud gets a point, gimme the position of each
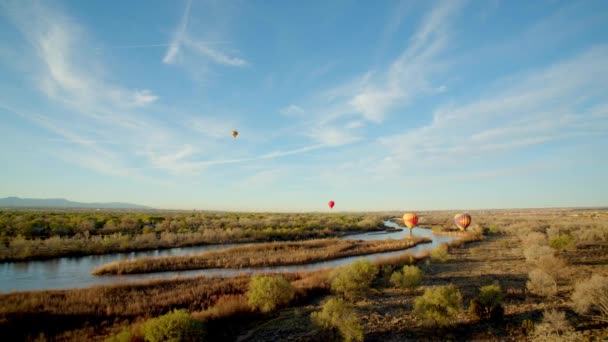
(531, 109)
(332, 136)
(293, 111)
(144, 97)
(183, 42)
(204, 49)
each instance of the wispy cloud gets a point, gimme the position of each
(180, 32)
(183, 42)
(541, 106)
(293, 111)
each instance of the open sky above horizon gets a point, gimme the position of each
(384, 105)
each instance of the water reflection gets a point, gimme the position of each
(73, 272)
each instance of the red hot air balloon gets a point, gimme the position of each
(462, 221)
(331, 204)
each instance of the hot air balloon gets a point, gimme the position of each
(331, 204)
(235, 133)
(462, 221)
(410, 220)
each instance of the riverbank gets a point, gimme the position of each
(261, 255)
(26, 236)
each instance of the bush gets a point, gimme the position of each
(533, 239)
(354, 280)
(527, 327)
(562, 242)
(174, 326)
(123, 336)
(534, 253)
(440, 253)
(409, 277)
(541, 283)
(439, 305)
(551, 265)
(338, 314)
(488, 305)
(555, 327)
(266, 293)
(591, 297)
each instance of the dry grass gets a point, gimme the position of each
(261, 255)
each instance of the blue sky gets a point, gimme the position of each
(382, 105)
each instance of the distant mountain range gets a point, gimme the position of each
(63, 203)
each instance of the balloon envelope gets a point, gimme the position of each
(462, 221)
(234, 133)
(410, 220)
(331, 204)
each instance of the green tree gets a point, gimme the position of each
(488, 305)
(266, 293)
(409, 277)
(439, 305)
(340, 315)
(174, 326)
(355, 279)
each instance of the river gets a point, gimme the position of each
(75, 272)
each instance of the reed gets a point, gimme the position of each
(261, 255)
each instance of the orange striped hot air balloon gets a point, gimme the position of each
(235, 133)
(410, 220)
(462, 221)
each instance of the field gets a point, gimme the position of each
(544, 271)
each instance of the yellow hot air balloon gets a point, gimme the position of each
(462, 221)
(410, 220)
(235, 133)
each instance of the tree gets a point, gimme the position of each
(174, 326)
(340, 315)
(355, 279)
(439, 305)
(266, 293)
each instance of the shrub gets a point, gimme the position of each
(488, 305)
(555, 327)
(541, 283)
(340, 315)
(174, 326)
(266, 293)
(409, 277)
(533, 253)
(355, 279)
(123, 336)
(439, 305)
(591, 297)
(533, 239)
(440, 253)
(527, 327)
(562, 242)
(551, 265)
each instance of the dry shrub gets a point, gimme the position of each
(225, 306)
(541, 283)
(592, 234)
(535, 252)
(590, 296)
(533, 239)
(555, 327)
(551, 265)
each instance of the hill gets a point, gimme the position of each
(64, 203)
